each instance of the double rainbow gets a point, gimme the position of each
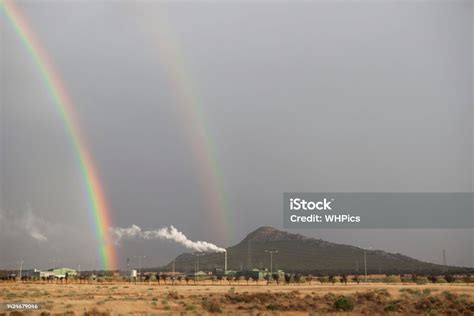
(95, 195)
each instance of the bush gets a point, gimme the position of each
(421, 280)
(190, 307)
(273, 307)
(211, 306)
(391, 308)
(393, 279)
(323, 279)
(344, 304)
(441, 280)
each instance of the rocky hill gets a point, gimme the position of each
(297, 253)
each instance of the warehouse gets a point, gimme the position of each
(55, 272)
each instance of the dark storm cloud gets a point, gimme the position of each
(307, 96)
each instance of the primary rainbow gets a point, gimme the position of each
(95, 195)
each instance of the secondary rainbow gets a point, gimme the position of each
(94, 191)
(194, 123)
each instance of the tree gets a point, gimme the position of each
(323, 279)
(433, 278)
(449, 278)
(467, 278)
(297, 278)
(238, 278)
(268, 278)
(276, 277)
(356, 279)
(344, 279)
(287, 278)
(247, 278)
(255, 278)
(310, 278)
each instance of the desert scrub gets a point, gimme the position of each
(95, 312)
(391, 308)
(190, 307)
(393, 279)
(273, 307)
(421, 280)
(426, 291)
(211, 306)
(48, 305)
(411, 292)
(344, 303)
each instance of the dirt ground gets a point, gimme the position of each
(154, 299)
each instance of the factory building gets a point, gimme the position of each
(55, 272)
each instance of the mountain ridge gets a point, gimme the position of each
(298, 253)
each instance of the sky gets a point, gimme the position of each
(314, 96)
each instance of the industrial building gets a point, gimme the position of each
(55, 272)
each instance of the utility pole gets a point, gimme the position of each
(249, 256)
(198, 254)
(21, 267)
(365, 262)
(271, 252)
(140, 264)
(225, 261)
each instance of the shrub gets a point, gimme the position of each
(273, 307)
(344, 303)
(391, 308)
(449, 278)
(190, 307)
(211, 306)
(393, 279)
(421, 280)
(441, 280)
(173, 295)
(323, 279)
(95, 312)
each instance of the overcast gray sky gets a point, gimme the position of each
(352, 96)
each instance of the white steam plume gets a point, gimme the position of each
(170, 233)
